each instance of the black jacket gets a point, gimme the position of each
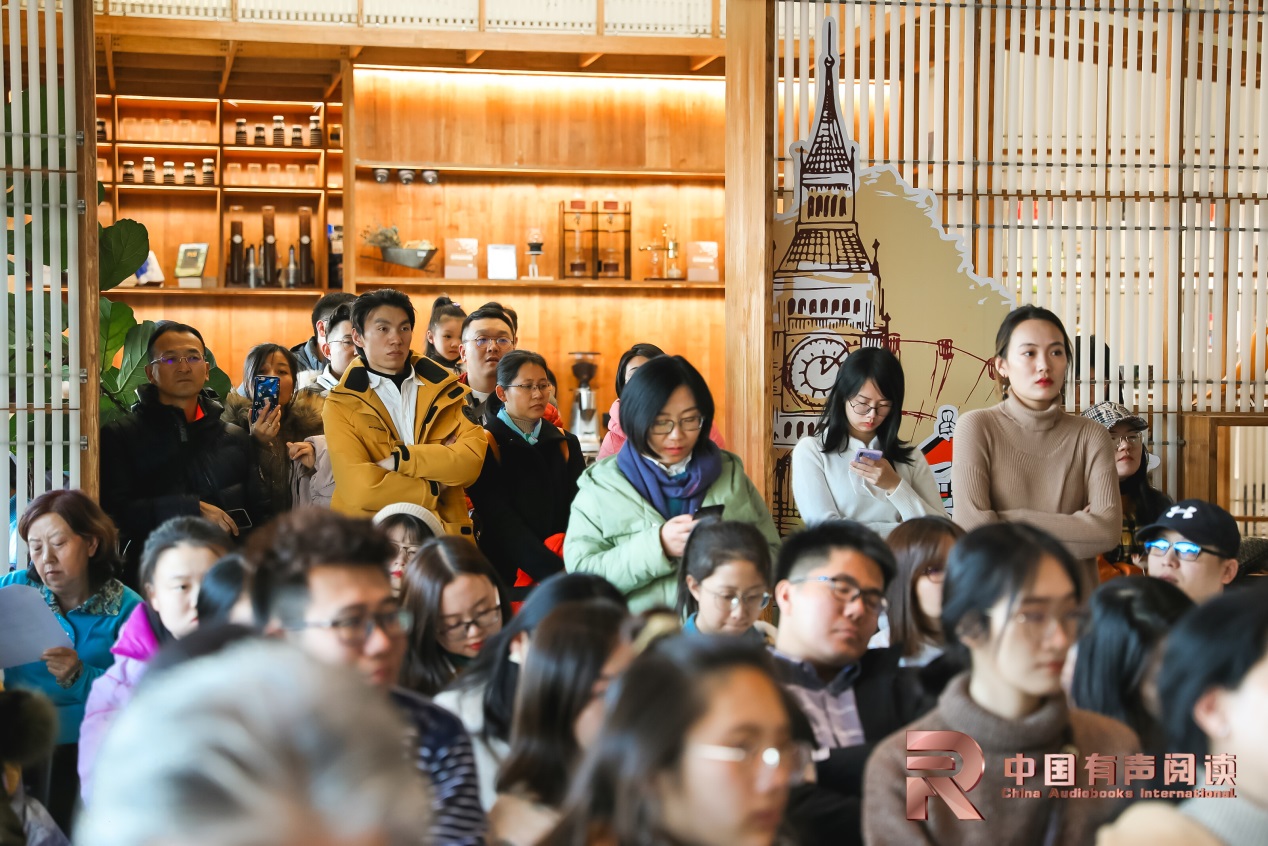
(525, 496)
(309, 355)
(155, 466)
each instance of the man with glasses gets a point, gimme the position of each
(311, 354)
(338, 348)
(1193, 545)
(831, 588)
(173, 455)
(395, 427)
(322, 583)
(488, 333)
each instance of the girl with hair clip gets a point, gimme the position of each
(697, 748)
(444, 334)
(1026, 460)
(578, 650)
(856, 467)
(457, 602)
(1012, 599)
(724, 581)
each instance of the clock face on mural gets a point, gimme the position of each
(812, 368)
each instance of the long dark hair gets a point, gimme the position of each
(1149, 501)
(438, 562)
(918, 544)
(222, 588)
(1130, 618)
(569, 650)
(443, 307)
(651, 709)
(648, 391)
(713, 543)
(257, 357)
(1015, 318)
(647, 351)
(882, 367)
(495, 674)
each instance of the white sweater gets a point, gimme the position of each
(825, 488)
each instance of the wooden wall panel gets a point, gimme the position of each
(172, 218)
(480, 119)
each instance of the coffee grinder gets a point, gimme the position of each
(585, 418)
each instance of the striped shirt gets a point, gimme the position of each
(445, 756)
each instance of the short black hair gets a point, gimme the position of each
(809, 548)
(649, 390)
(1216, 644)
(284, 552)
(181, 531)
(327, 305)
(164, 327)
(511, 315)
(993, 562)
(368, 302)
(647, 351)
(489, 311)
(339, 315)
(509, 365)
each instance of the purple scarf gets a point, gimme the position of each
(658, 487)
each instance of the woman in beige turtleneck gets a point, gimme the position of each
(1026, 460)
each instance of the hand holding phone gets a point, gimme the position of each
(870, 454)
(265, 391)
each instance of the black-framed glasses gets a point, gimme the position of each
(865, 408)
(193, 360)
(501, 343)
(686, 424)
(846, 590)
(755, 602)
(482, 622)
(356, 630)
(1185, 550)
(542, 388)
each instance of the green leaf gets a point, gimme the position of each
(101, 193)
(218, 380)
(117, 319)
(124, 247)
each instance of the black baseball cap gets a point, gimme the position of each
(1202, 522)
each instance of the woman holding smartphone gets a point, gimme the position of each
(855, 467)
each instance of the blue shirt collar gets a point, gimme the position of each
(532, 437)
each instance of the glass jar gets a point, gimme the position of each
(147, 170)
(254, 170)
(185, 131)
(273, 174)
(292, 175)
(336, 135)
(297, 135)
(209, 171)
(311, 175)
(166, 130)
(147, 129)
(102, 170)
(314, 131)
(129, 171)
(279, 131)
(240, 132)
(189, 176)
(204, 132)
(101, 129)
(259, 135)
(128, 129)
(233, 174)
(169, 173)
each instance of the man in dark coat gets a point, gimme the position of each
(174, 455)
(309, 353)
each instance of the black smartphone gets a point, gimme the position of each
(266, 388)
(240, 518)
(708, 511)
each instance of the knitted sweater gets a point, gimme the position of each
(1016, 465)
(1046, 731)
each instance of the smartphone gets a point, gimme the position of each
(708, 511)
(240, 518)
(266, 388)
(873, 454)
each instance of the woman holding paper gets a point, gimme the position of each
(73, 559)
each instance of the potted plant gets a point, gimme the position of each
(412, 254)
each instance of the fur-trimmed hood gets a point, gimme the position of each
(301, 418)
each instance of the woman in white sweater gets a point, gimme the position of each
(830, 478)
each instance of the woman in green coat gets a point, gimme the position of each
(633, 513)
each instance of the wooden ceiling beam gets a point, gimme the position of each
(697, 63)
(473, 55)
(231, 51)
(588, 59)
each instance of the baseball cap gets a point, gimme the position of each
(1202, 522)
(1110, 414)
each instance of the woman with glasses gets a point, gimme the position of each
(525, 490)
(457, 602)
(921, 547)
(1012, 599)
(697, 748)
(631, 517)
(578, 651)
(407, 527)
(833, 475)
(724, 581)
(1142, 502)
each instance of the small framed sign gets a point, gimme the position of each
(190, 260)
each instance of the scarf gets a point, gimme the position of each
(687, 489)
(531, 437)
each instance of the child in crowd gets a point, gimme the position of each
(457, 602)
(833, 475)
(444, 334)
(225, 595)
(724, 581)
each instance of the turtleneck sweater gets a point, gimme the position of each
(1053, 729)
(1017, 465)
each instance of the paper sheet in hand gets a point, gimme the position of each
(27, 626)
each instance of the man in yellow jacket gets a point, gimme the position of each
(395, 426)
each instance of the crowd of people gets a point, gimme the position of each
(365, 546)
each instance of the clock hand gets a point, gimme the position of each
(826, 366)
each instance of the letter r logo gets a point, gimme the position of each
(952, 788)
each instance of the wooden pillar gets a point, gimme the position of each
(350, 238)
(749, 206)
(84, 67)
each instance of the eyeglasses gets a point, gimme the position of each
(347, 341)
(481, 343)
(863, 409)
(482, 622)
(403, 549)
(1037, 625)
(791, 757)
(846, 590)
(542, 388)
(686, 424)
(1185, 550)
(356, 631)
(193, 360)
(752, 601)
(935, 573)
(1134, 439)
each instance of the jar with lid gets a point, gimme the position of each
(314, 131)
(240, 132)
(147, 170)
(297, 136)
(259, 135)
(101, 129)
(209, 171)
(279, 131)
(169, 173)
(129, 171)
(189, 177)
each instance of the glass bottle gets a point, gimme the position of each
(129, 171)
(240, 132)
(209, 171)
(189, 177)
(273, 172)
(147, 170)
(233, 173)
(101, 129)
(259, 135)
(314, 131)
(169, 173)
(166, 130)
(297, 135)
(279, 131)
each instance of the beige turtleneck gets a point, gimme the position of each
(1013, 464)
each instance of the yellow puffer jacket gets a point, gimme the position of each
(430, 473)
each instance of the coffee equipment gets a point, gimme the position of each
(584, 422)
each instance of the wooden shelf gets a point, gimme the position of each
(529, 171)
(163, 291)
(161, 145)
(406, 283)
(273, 191)
(255, 149)
(142, 188)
